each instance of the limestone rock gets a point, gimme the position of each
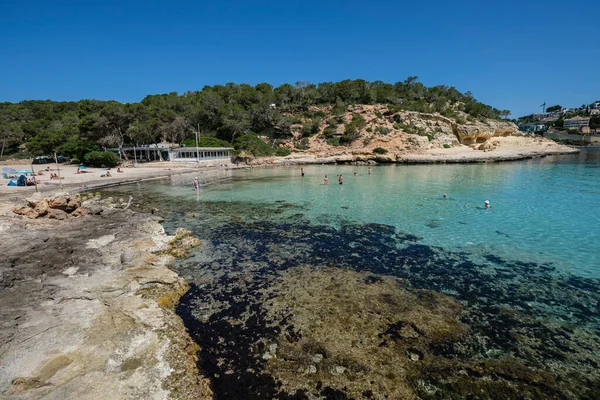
(79, 212)
(54, 213)
(42, 208)
(21, 210)
(58, 201)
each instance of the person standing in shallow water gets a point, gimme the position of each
(326, 180)
(369, 170)
(340, 179)
(196, 184)
(302, 172)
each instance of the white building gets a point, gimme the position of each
(576, 123)
(193, 154)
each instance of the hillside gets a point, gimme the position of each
(365, 128)
(236, 114)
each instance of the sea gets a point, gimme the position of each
(398, 283)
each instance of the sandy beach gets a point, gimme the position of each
(91, 178)
(498, 149)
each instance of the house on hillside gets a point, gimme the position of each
(532, 127)
(577, 122)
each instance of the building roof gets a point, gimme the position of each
(202, 149)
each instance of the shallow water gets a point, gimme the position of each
(524, 274)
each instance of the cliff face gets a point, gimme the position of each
(395, 131)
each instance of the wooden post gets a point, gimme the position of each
(58, 172)
(34, 180)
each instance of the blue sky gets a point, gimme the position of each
(510, 54)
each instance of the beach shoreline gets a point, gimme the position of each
(499, 149)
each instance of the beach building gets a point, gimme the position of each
(192, 154)
(532, 127)
(143, 153)
(577, 122)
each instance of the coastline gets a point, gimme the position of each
(88, 308)
(499, 149)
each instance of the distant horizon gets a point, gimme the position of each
(124, 51)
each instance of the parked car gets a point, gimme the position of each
(40, 160)
(59, 159)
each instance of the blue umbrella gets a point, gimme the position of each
(82, 167)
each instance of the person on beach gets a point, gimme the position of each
(487, 204)
(196, 184)
(119, 169)
(326, 180)
(340, 180)
(302, 172)
(369, 170)
(108, 174)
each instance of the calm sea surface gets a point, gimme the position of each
(543, 210)
(305, 290)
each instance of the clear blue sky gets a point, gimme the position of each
(510, 54)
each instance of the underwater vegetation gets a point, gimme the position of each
(289, 309)
(286, 308)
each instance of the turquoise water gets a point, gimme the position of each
(525, 274)
(543, 210)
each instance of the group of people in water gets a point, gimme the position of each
(326, 179)
(341, 182)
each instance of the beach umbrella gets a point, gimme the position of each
(82, 167)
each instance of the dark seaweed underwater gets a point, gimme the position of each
(532, 332)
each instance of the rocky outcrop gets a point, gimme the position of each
(88, 307)
(59, 206)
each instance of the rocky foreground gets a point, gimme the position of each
(87, 304)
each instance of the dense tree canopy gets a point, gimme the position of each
(225, 112)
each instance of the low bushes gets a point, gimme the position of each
(100, 159)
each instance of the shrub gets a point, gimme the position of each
(311, 127)
(369, 129)
(100, 159)
(294, 120)
(250, 143)
(382, 130)
(332, 122)
(329, 131)
(334, 141)
(379, 150)
(282, 151)
(302, 144)
(378, 114)
(447, 146)
(367, 140)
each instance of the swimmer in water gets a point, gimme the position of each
(340, 180)
(326, 180)
(302, 172)
(445, 196)
(355, 174)
(487, 204)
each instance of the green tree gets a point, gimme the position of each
(554, 108)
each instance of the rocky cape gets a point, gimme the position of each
(88, 304)
(391, 136)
